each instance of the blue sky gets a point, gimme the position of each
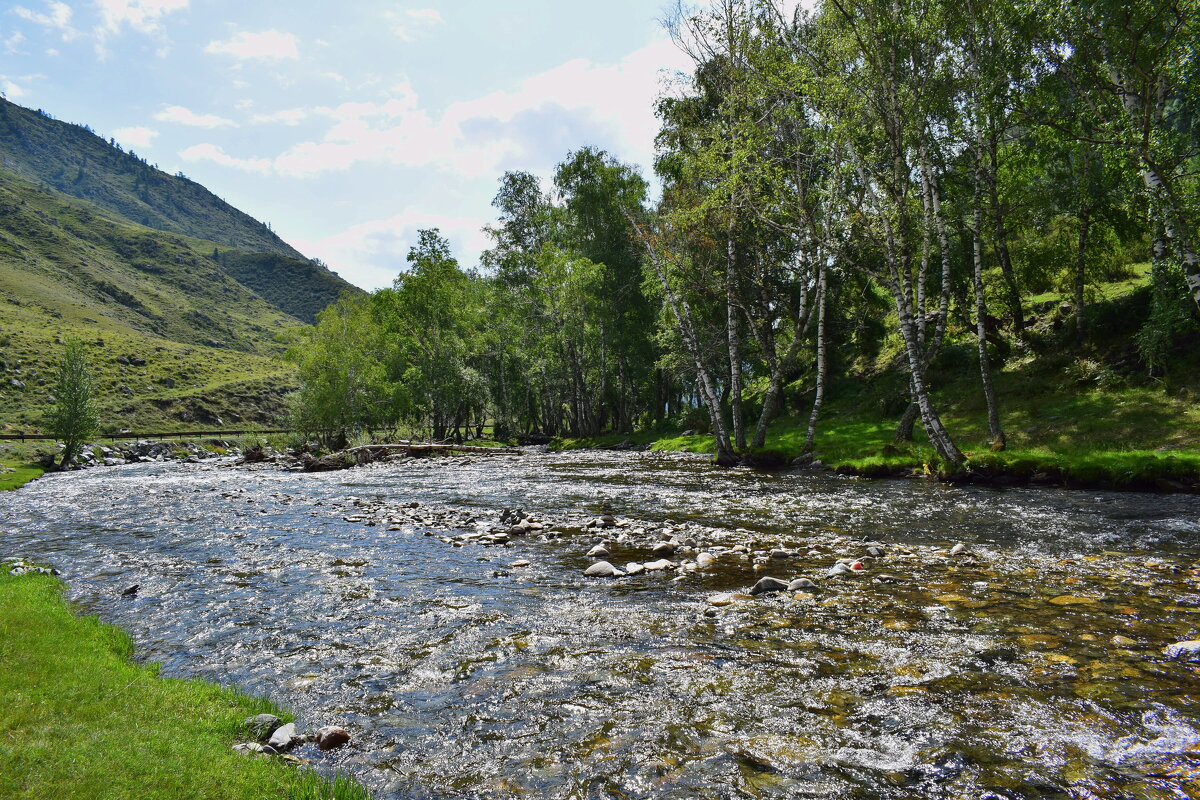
(348, 126)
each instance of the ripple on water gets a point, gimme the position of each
(1031, 668)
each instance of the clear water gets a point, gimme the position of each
(989, 675)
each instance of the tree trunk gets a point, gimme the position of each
(819, 392)
(1011, 290)
(985, 367)
(1085, 221)
(733, 336)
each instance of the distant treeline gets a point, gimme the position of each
(895, 176)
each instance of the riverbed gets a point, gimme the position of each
(1030, 665)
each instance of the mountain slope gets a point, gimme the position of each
(168, 329)
(75, 161)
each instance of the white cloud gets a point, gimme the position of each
(12, 90)
(269, 45)
(12, 44)
(413, 23)
(371, 254)
(183, 116)
(57, 16)
(137, 136)
(144, 16)
(528, 127)
(213, 153)
(291, 116)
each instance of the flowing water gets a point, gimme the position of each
(1029, 667)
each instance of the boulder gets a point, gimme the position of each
(603, 569)
(705, 560)
(331, 737)
(768, 584)
(599, 551)
(656, 566)
(663, 549)
(284, 737)
(633, 568)
(801, 585)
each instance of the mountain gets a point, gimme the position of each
(73, 160)
(173, 336)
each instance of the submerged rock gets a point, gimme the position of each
(1184, 651)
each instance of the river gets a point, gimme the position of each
(1030, 666)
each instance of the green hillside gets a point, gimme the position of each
(75, 161)
(175, 339)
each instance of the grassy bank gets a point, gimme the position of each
(21, 474)
(79, 720)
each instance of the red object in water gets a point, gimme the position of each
(857, 566)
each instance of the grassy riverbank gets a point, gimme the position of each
(1133, 438)
(79, 720)
(22, 473)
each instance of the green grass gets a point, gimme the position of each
(22, 474)
(79, 720)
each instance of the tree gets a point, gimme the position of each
(73, 418)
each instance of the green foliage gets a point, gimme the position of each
(73, 418)
(81, 721)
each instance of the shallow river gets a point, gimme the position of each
(1030, 666)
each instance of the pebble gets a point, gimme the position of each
(664, 549)
(779, 553)
(521, 563)
(599, 551)
(705, 560)
(800, 583)
(603, 569)
(838, 569)
(722, 599)
(633, 568)
(655, 566)
(958, 549)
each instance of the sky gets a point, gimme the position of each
(349, 126)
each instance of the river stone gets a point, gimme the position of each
(283, 738)
(599, 551)
(705, 560)
(663, 549)
(780, 553)
(800, 584)
(839, 569)
(1072, 600)
(331, 737)
(252, 748)
(602, 569)
(768, 584)
(1184, 651)
(958, 549)
(633, 568)
(521, 563)
(263, 725)
(655, 566)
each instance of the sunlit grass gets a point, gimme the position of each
(79, 720)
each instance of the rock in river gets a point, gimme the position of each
(283, 738)
(1184, 651)
(654, 566)
(800, 584)
(633, 568)
(705, 560)
(331, 737)
(603, 569)
(769, 584)
(599, 551)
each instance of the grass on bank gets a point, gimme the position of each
(21, 475)
(79, 720)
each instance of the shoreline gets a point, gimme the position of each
(107, 724)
